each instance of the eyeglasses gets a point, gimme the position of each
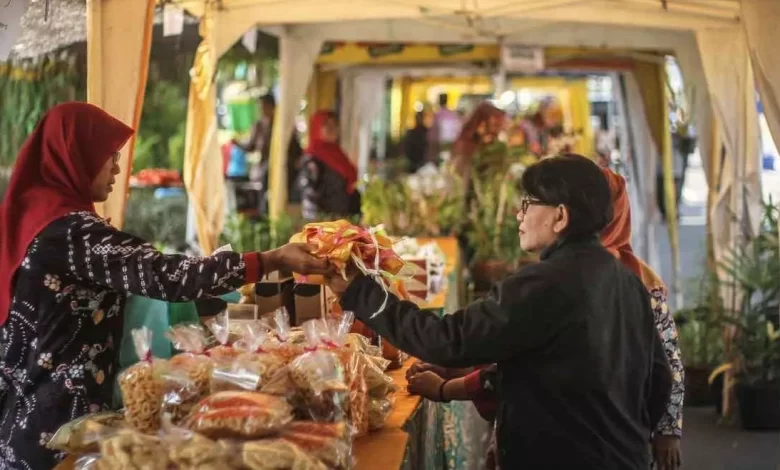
(528, 202)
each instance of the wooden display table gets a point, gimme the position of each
(385, 449)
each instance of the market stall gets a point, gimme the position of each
(699, 34)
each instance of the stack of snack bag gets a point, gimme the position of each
(379, 386)
(263, 402)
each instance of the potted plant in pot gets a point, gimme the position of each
(699, 331)
(754, 356)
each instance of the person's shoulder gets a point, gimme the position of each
(74, 221)
(540, 276)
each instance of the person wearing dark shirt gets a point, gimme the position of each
(581, 376)
(260, 141)
(328, 178)
(65, 274)
(416, 143)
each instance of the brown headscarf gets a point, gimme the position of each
(616, 236)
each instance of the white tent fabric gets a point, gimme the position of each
(297, 55)
(362, 96)
(729, 78)
(643, 154)
(760, 19)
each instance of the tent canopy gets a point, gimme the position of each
(701, 33)
(485, 14)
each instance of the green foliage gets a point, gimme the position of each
(5, 176)
(160, 141)
(162, 222)
(492, 226)
(245, 234)
(700, 335)
(28, 89)
(753, 273)
(428, 207)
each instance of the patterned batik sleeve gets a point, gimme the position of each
(671, 422)
(99, 253)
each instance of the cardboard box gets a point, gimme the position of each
(274, 293)
(308, 303)
(415, 277)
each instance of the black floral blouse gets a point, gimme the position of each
(61, 340)
(672, 421)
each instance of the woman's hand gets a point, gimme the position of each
(420, 367)
(295, 257)
(427, 385)
(666, 452)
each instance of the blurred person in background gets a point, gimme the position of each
(416, 143)
(328, 177)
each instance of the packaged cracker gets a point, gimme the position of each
(142, 386)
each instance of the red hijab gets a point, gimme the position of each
(330, 153)
(52, 177)
(616, 236)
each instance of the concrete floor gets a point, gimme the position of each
(710, 445)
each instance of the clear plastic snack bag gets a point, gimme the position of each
(318, 375)
(354, 365)
(379, 409)
(129, 449)
(247, 415)
(77, 436)
(142, 386)
(335, 453)
(221, 328)
(282, 332)
(276, 454)
(188, 376)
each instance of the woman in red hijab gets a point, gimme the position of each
(65, 274)
(329, 177)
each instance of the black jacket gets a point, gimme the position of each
(581, 378)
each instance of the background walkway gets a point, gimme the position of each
(708, 445)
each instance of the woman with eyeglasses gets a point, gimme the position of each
(582, 378)
(65, 274)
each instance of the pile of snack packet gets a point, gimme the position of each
(276, 398)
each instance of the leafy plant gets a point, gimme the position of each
(246, 234)
(29, 88)
(162, 222)
(492, 228)
(753, 272)
(700, 330)
(160, 141)
(416, 205)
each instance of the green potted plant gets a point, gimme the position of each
(699, 331)
(754, 356)
(492, 227)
